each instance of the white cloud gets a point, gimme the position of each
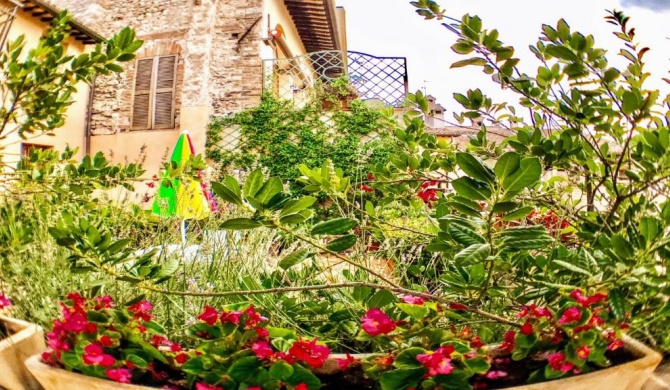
(654, 5)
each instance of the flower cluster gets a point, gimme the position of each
(428, 192)
(95, 338)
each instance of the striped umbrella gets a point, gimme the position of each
(186, 200)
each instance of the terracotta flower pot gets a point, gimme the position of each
(52, 378)
(627, 376)
(25, 339)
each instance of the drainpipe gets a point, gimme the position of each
(89, 115)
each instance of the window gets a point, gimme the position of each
(153, 95)
(27, 149)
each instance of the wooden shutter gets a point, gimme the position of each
(142, 114)
(164, 92)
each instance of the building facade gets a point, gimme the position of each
(200, 58)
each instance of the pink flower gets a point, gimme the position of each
(141, 310)
(583, 352)
(346, 362)
(122, 375)
(527, 329)
(253, 318)
(262, 349)
(557, 362)
(570, 315)
(76, 323)
(376, 322)
(209, 316)
(205, 386)
(93, 354)
(438, 362)
(4, 302)
(412, 300)
(231, 316)
(310, 352)
(493, 375)
(254, 388)
(105, 302)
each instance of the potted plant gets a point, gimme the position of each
(336, 94)
(97, 345)
(18, 340)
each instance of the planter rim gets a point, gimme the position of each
(35, 364)
(645, 357)
(27, 330)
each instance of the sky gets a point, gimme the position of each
(391, 28)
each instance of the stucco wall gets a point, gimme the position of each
(72, 134)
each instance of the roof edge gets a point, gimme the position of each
(74, 22)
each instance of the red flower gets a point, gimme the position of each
(557, 362)
(285, 357)
(578, 296)
(205, 386)
(412, 300)
(370, 176)
(231, 316)
(301, 386)
(141, 310)
(583, 352)
(366, 188)
(105, 302)
(429, 195)
(253, 318)
(457, 306)
(122, 375)
(262, 333)
(596, 321)
(4, 302)
(527, 329)
(310, 352)
(106, 341)
(157, 340)
(614, 345)
(438, 362)
(254, 388)
(385, 360)
(262, 349)
(77, 300)
(570, 315)
(93, 354)
(346, 362)
(209, 315)
(476, 342)
(376, 322)
(181, 358)
(508, 341)
(90, 328)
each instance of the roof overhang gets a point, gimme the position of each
(46, 12)
(316, 22)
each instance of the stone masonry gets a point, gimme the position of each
(217, 42)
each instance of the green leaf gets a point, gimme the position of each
(294, 206)
(617, 303)
(271, 188)
(244, 368)
(474, 168)
(473, 254)
(401, 379)
(503, 207)
(478, 61)
(417, 312)
(477, 365)
(294, 258)
(471, 189)
(303, 375)
(281, 370)
(226, 194)
(343, 243)
(528, 174)
(507, 164)
(407, 358)
(240, 224)
(631, 102)
(381, 298)
(561, 52)
(572, 267)
(517, 214)
(334, 226)
(137, 361)
(253, 183)
(464, 235)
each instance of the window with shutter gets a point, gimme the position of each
(154, 90)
